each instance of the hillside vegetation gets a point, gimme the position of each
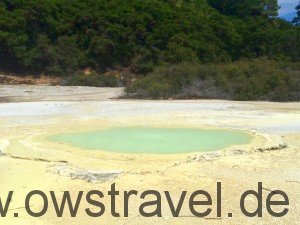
(258, 79)
(63, 37)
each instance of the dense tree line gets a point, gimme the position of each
(60, 37)
(296, 20)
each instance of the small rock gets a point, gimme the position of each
(93, 177)
(194, 159)
(211, 156)
(236, 152)
(87, 175)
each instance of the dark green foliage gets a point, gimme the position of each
(296, 20)
(59, 37)
(175, 48)
(246, 8)
(260, 79)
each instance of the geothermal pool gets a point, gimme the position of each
(153, 140)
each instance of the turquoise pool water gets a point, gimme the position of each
(153, 140)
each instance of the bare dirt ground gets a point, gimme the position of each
(8, 79)
(37, 93)
(29, 162)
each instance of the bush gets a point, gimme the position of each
(259, 79)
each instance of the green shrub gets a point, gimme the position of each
(259, 79)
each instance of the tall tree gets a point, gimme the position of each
(246, 8)
(296, 20)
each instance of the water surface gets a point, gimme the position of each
(153, 140)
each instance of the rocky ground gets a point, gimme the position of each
(29, 162)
